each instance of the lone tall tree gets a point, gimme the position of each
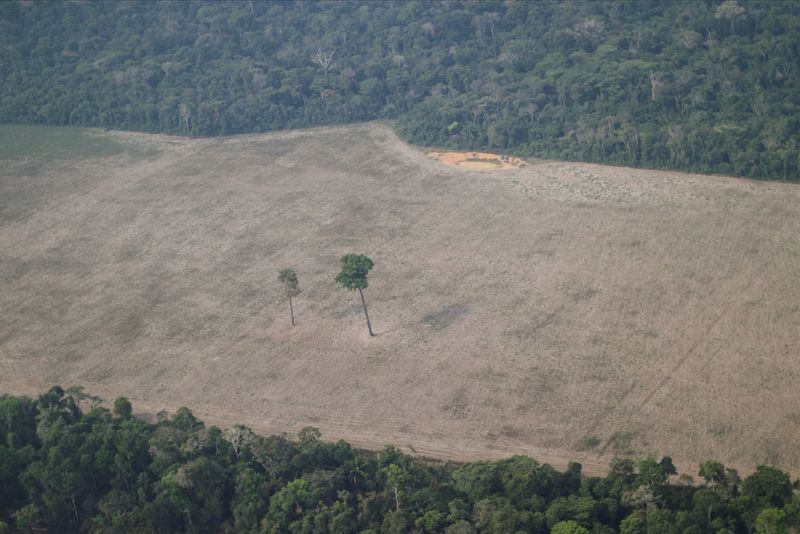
(354, 276)
(289, 279)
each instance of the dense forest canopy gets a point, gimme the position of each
(69, 470)
(709, 86)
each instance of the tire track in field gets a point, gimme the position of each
(726, 311)
(754, 270)
(681, 362)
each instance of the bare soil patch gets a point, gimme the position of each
(562, 310)
(478, 161)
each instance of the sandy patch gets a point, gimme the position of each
(478, 161)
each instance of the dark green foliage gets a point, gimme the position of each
(355, 268)
(12, 463)
(768, 486)
(704, 86)
(122, 408)
(569, 527)
(17, 423)
(73, 471)
(289, 279)
(250, 502)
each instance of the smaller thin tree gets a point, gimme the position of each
(289, 279)
(354, 276)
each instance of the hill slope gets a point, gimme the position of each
(528, 310)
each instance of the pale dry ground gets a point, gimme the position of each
(517, 312)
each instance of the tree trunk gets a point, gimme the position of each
(364, 302)
(189, 518)
(291, 310)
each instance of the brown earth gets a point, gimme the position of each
(541, 310)
(481, 161)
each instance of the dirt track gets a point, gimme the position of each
(521, 311)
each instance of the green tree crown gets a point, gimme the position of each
(289, 278)
(355, 268)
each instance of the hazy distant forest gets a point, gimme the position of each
(706, 86)
(65, 470)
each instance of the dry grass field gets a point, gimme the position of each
(562, 310)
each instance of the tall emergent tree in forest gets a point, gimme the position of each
(289, 279)
(354, 276)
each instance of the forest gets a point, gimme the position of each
(67, 464)
(703, 86)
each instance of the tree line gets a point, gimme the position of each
(708, 85)
(65, 469)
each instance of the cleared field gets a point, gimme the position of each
(562, 310)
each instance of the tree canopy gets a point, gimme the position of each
(355, 268)
(288, 277)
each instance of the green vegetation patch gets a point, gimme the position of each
(587, 443)
(621, 442)
(18, 141)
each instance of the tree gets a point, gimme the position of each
(17, 421)
(122, 408)
(713, 472)
(731, 10)
(768, 486)
(240, 437)
(652, 473)
(289, 279)
(309, 435)
(396, 477)
(355, 268)
(582, 510)
(635, 523)
(568, 527)
(289, 502)
(771, 521)
(250, 501)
